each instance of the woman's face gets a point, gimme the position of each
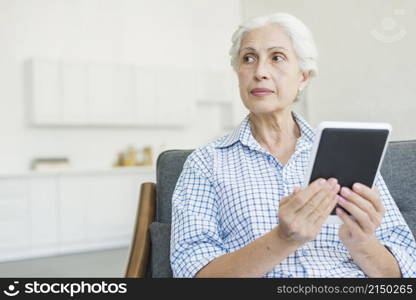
(268, 72)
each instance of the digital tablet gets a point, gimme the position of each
(348, 151)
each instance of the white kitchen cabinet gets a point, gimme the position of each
(43, 212)
(101, 93)
(175, 97)
(98, 94)
(15, 221)
(74, 194)
(111, 98)
(108, 206)
(124, 102)
(55, 213)
(46, 92)
(216, 86)
(220, 88)
(74, 99)
(145, 96)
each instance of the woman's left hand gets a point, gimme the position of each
(367, 211)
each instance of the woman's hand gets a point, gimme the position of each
(357, 232)
(302, 213)
(366, 209)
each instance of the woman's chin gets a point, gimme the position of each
(265, 109)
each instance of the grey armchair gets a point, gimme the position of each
(149, 252)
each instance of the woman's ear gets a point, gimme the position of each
(304, 80)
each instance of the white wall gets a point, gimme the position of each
(362, 77)
(177, 33)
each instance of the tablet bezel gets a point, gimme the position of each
(334, 219)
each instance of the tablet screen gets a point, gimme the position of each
(350, 155)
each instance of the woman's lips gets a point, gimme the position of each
(260, 92)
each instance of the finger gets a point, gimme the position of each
(305, 194)
(284, 210)
(318, 207)
(331, 203)
(289, 198)
(351, 224)
(371, 195)
(376, 189)
(313, 208)
(300, 198)
(296, 190)
(363, 204)
(290, 214)
(363, 219)
(332, 181)
(336, 188)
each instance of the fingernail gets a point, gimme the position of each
(328, 185)
(330, 182)
(345, 191)
(341, 200)
(334, 181)
(336, 187)
(322, 182)
(357, 186)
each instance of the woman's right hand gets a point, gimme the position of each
(302, 214)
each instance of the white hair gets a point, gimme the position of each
(302, 39)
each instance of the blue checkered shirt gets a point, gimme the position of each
(228, 195)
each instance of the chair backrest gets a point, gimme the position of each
(398, 171)
(168, 168)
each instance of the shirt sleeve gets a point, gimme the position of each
(195, 234)
(395, 234)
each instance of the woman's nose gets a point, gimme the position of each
(260, 72)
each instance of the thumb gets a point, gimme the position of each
(296, 190)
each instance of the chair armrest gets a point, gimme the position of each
(140, 246)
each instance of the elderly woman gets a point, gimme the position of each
(238, 209)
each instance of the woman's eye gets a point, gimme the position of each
(248, 59)
(278, 58)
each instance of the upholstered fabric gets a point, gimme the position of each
(160, 243)
(398, 171)
(169, 167)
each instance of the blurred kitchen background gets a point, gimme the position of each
(91, 91)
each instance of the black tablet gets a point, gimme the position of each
(349, 151)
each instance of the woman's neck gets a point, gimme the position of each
(274, 130)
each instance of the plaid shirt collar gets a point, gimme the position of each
(244, 135)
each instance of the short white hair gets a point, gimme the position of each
(302, 39)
